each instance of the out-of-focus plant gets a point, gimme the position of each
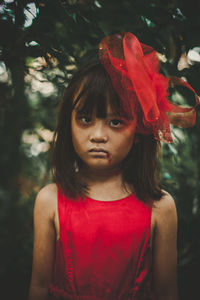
(41, 44)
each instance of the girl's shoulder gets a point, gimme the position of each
(164, 210)
(48, 193)
(46, 200)
(165, 203)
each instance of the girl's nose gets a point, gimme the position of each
(98, 133)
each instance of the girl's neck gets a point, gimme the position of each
(95, 176)
(105, 185)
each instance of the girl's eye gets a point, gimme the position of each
(116, 123)
(85, 119)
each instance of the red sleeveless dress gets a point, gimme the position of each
(103, 251)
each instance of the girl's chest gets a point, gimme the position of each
(114, 225)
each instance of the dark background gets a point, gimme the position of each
(41, 42)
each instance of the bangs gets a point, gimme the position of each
(96, 94)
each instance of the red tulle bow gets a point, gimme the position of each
(134, 70)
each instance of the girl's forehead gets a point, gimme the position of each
(103, 102)
(110, 112)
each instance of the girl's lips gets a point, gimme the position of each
(97, 150)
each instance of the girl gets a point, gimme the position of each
(104, 229)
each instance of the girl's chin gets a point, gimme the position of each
(99, 162)
(101, 166)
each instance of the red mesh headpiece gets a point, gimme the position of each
(134, 70)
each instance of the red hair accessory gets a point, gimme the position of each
(134, 70)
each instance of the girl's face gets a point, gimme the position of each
(102, 143)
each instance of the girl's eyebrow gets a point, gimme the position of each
(118, 116)
(113, 116)
(80, 111)
(109, 115)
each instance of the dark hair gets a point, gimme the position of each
(93, 86)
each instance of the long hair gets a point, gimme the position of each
(140, 169)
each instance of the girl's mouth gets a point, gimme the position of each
(101, 153)
(98, 150)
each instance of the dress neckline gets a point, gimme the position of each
(108, 201)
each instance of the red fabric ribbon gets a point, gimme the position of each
(134, 70)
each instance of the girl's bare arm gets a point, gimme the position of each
(44, 242)
(165, 249)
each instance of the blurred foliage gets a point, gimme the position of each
(41, 43)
